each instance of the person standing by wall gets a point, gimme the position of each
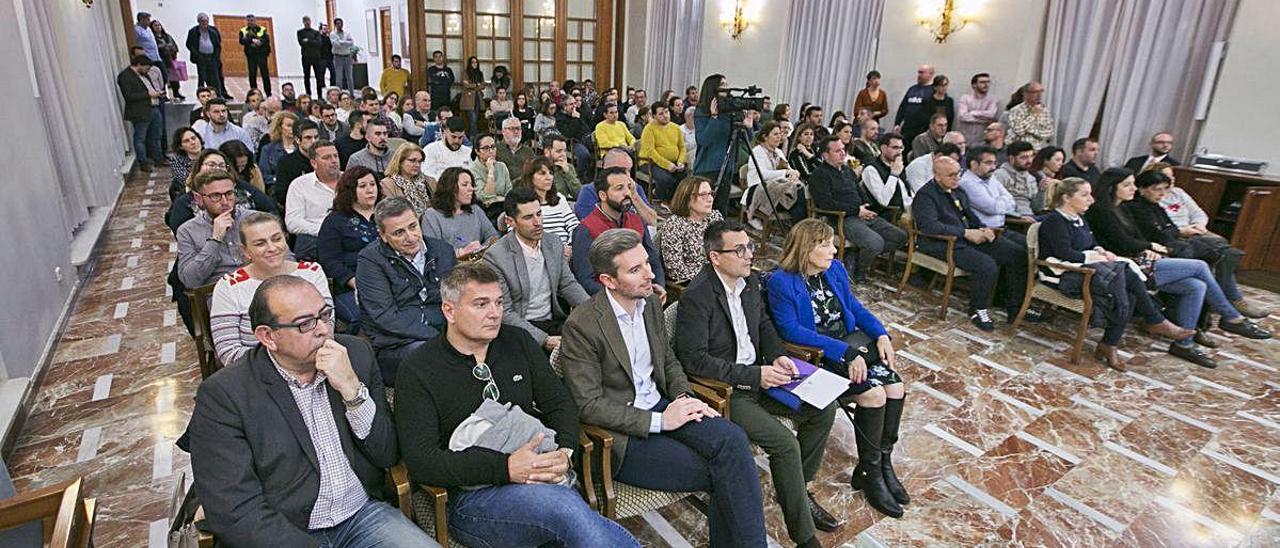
(204, 43)
(344, 56)
(326, 60)
(309, 40)
(257, 46)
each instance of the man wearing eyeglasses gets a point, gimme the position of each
(724, 333)
(398, 285)
(625, 378)
(209, 244)
(292, 442)
(506, 490)
(1161, 144)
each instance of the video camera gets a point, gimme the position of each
(740, 99)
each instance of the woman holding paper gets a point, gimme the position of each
(812, 305)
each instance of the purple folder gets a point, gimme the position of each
(783, 393)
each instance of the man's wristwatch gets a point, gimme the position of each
(361, 396)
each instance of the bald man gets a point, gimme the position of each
(993, 261)
(914, 99)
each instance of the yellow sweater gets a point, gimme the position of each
(612, 136)
(394, 79)
(662, 145)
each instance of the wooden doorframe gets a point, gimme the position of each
(384, 35)
(263, 20)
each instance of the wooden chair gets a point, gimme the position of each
(614, 499)
(1082, 305)
(946, 267)
(836, 220)
(202, 333)
(67, 516)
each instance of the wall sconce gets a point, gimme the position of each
(942, 18)
(735, 22)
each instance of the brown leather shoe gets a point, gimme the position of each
(1250, 310)
(1106, 355)
(1169, 330)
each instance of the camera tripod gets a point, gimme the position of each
(740, 137)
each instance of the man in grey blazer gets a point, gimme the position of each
(623, 373)
(533, 272)
(290, 444)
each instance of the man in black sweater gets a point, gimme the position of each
(1084, 161)
(354, 141)
(510, 499)
(311, 42)
(997, 265)
(834, 187)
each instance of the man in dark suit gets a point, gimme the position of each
(310, 42)
(142, 109)
(533, 272)
(1161, 144)
(204, 42)
(941, 208)
(723, 332)
(625, 378)
(290, 443)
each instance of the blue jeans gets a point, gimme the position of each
(148, 137)
(712, 455)
(531, 515)
(376, 524)
(1194, 284)
(344, 305)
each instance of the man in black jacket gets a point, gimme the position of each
(518, 494)
(399, 281)
(297, 163)
(834, 186)
(1161, 144)
(311, 43)
(723, 332)
(257, 46)
(142, 109)
(204, 42)
(997, 265)
(291, 443)
(1084, 161)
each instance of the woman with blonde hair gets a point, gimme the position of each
(404, 177)
(680, 235)
(282, 142)
(812, 305)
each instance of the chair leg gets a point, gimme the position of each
(946, 294)
(906, 276)
(1026, 303)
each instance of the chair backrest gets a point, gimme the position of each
(1033, 245)
(670, 317)
(202, 332)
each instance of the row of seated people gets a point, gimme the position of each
(480, 411)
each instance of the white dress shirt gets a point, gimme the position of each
(539, 283)
(746, 353)
(637, 339)
(919, 172)
(307, 204)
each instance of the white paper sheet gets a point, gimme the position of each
(821, 388)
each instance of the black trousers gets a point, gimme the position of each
(307, 66)
(996, 269)
(258, 65)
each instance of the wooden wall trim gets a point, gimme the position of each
(619, 23)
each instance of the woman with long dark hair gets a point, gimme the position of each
(557, 211)
(185, 147)
(453, 216)
(168, 54)
(347, 229)
(714, 132)
(240, 162)
(473, 86)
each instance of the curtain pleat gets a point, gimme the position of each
(827, 50)
(673, 45)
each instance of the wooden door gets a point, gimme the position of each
(233, 61)
(384, 32)
(1257, 232)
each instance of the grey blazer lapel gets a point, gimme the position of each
(519, 285)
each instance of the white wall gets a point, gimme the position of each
(286, 15)
(1239, 123)
(754, 57)
(353, 14)
(1004, 40)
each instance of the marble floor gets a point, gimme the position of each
(1004, 442)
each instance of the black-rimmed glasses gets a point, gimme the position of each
(308, 325)
(740, 250)
(482, 373)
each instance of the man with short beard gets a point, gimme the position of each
(375, 153)
(447, 152)
(330, 126)
(614, 210)
(310, 198)
(296, 163)
(1161, 144)
(512, 151)
(220, 129)
(1016, 177)
(994, 137)
(354, 140)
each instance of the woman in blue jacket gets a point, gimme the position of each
(812, 305)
